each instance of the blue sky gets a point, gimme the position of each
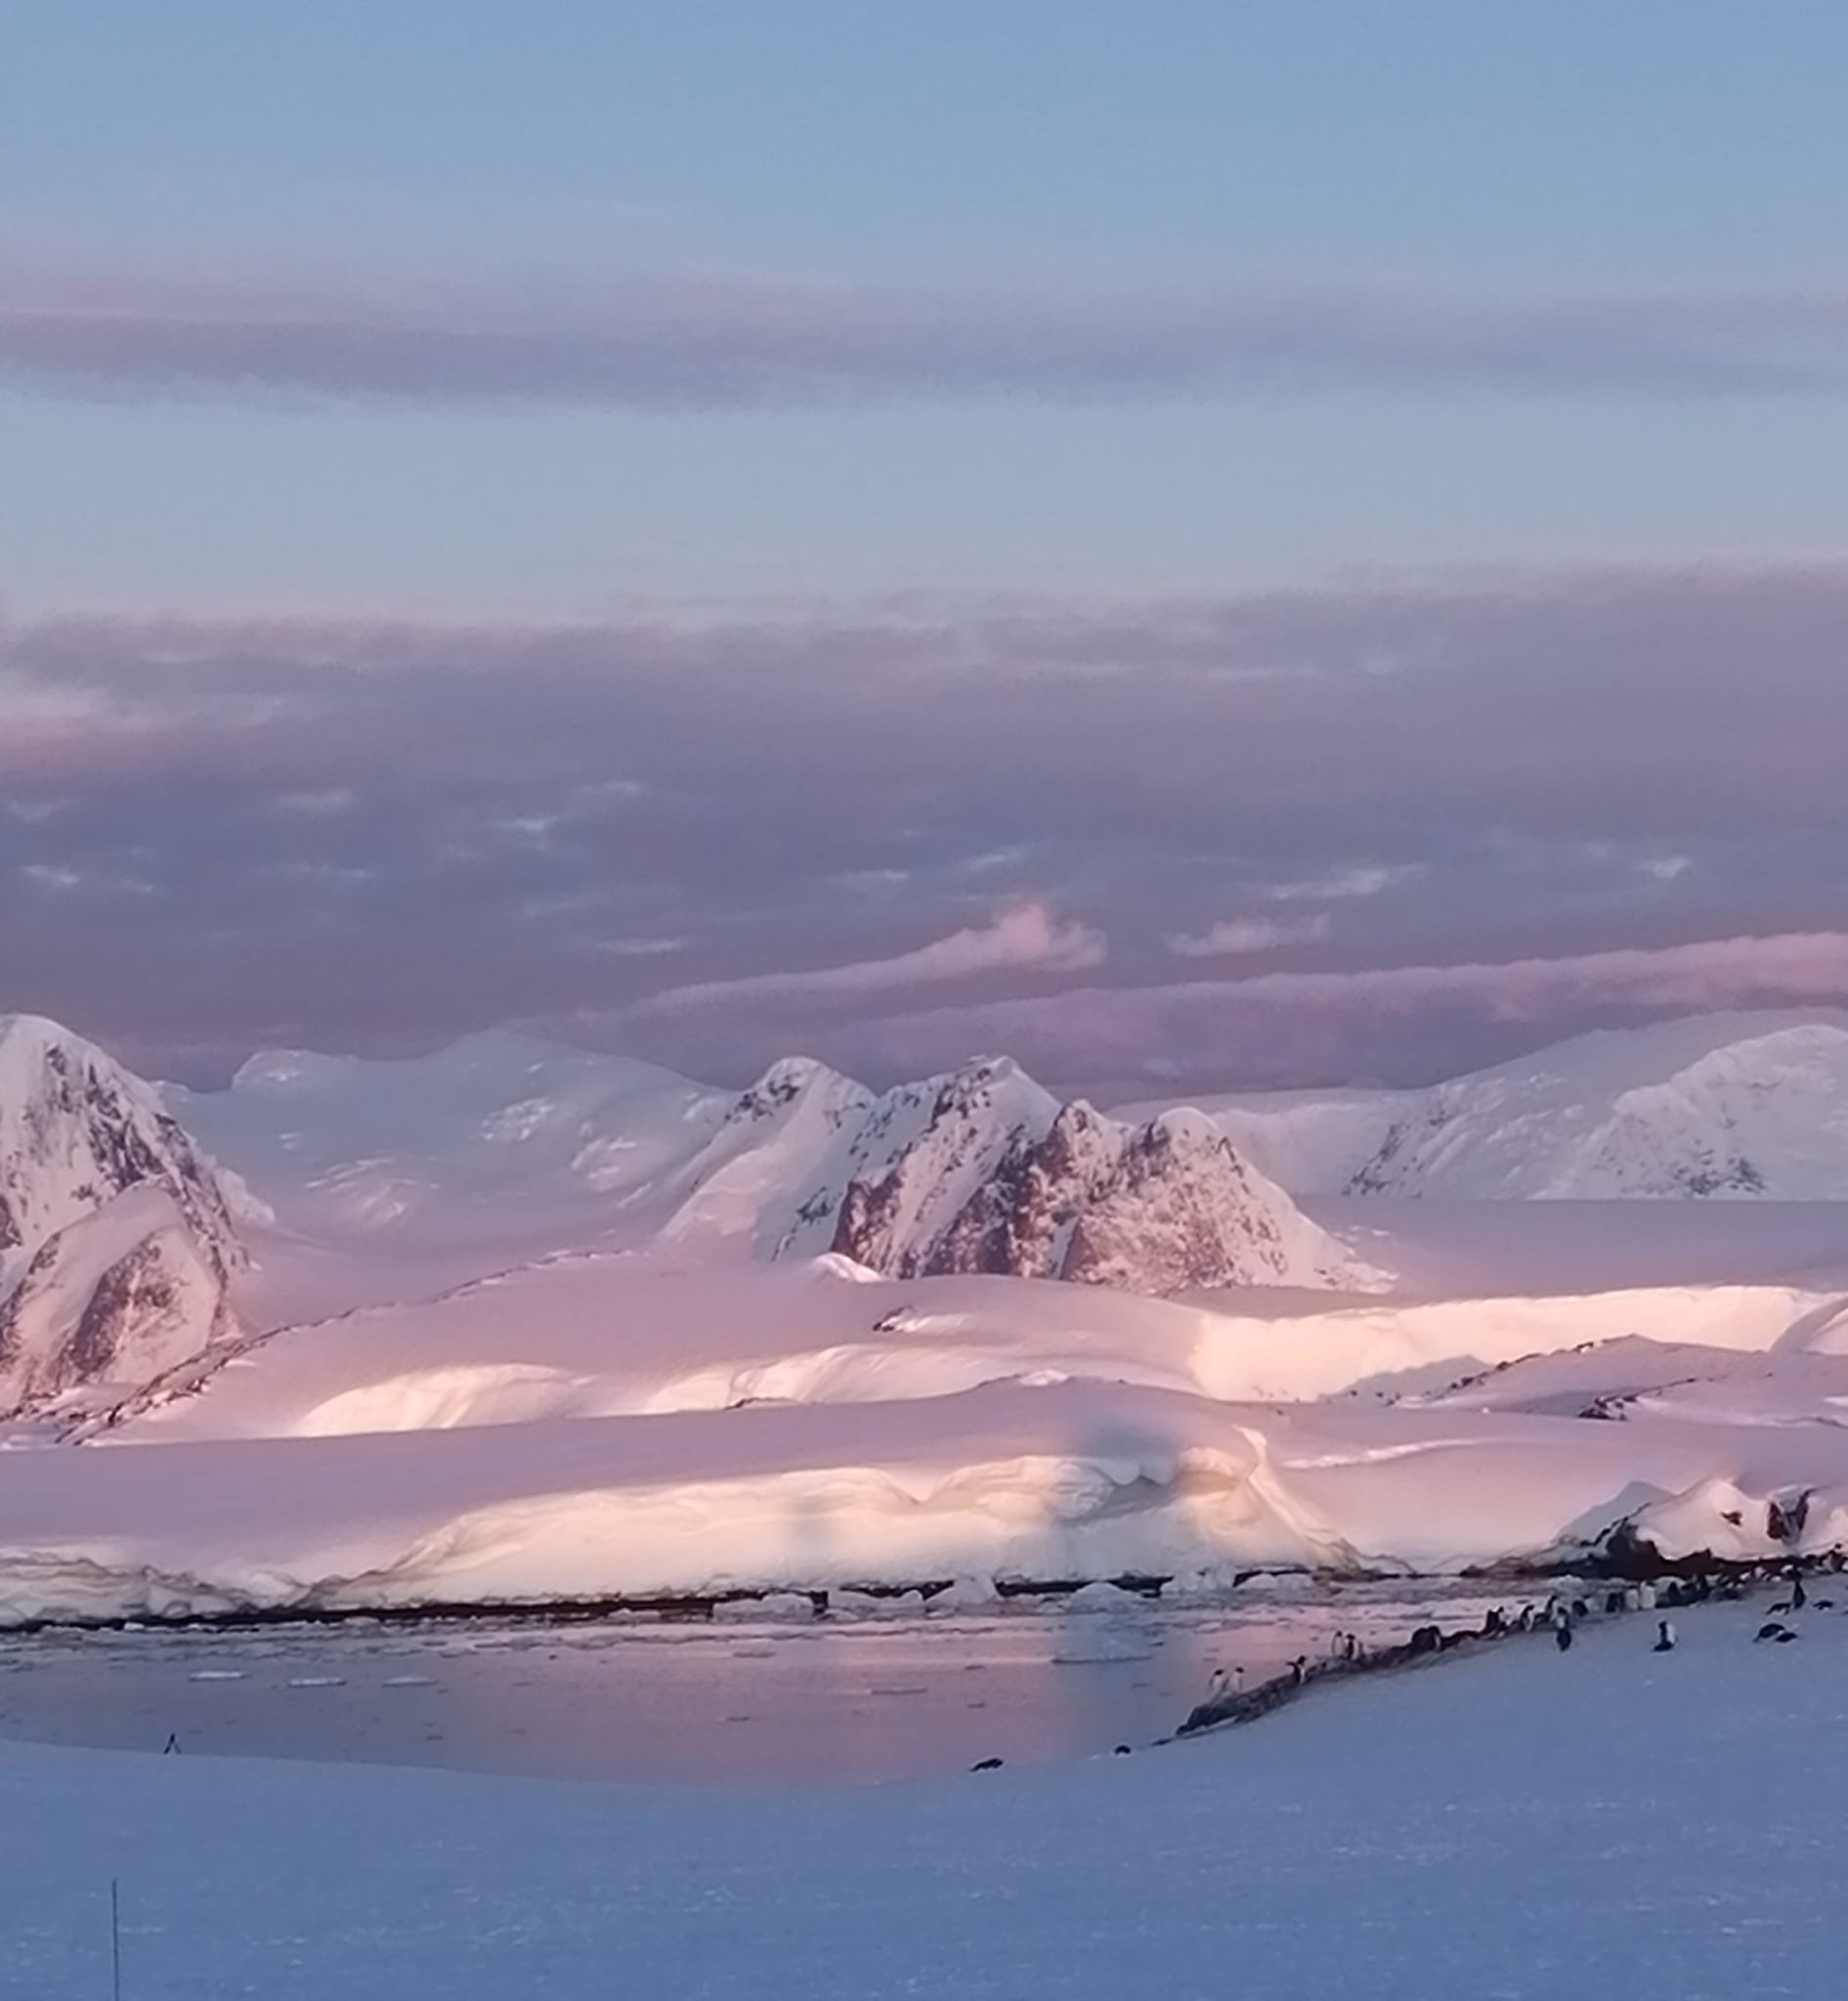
(1463, 147)
(799, 325)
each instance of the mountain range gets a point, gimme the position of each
(128, 1214)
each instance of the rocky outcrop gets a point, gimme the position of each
(1158, 1207)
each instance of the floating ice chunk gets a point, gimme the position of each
(1102, 1598)
(877, 1605)
(966, 1595)
(775, 1604)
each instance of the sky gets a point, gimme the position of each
(1230, 543)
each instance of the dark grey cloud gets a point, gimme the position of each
(714, 840)
(663, 342)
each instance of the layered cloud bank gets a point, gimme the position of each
(1377, 829)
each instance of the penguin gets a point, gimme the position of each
(986, 1765)
(1664, 1637)
(1563, 1638)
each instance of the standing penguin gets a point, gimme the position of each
(1664, 1637)
(1563, 1638)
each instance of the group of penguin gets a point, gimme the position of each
(1640, 1598)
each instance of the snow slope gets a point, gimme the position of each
(1718, 1105)
(613, 1335)
(501, 1140)
(1514, 1825)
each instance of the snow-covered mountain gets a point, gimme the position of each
(1719, 1105)
(571, 1326)
(1155, 1207)
(503, 1147)
(115, 1241)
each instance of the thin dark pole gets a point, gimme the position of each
(116, 1937)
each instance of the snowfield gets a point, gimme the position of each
(1516, 1823)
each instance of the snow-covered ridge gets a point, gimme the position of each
(115, 1241)
(1735, 1105)
(534, 1147)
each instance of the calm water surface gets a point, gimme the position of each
(737, 1701)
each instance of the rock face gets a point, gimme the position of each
(1070, 1194)
(116, 1243)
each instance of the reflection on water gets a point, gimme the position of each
(741, 1700)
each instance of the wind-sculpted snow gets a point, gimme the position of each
(1722, 1105)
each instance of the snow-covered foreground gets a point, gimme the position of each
(1514, 1825)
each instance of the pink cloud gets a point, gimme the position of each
(1027, 937)
(1280, 1026)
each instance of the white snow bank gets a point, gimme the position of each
(589, 1336)
(1079, 1480)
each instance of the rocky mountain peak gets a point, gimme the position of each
(115, 1238)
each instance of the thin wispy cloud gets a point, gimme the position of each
(649, 341)
(1026, 938)
(1233, 936)
(1345, 884)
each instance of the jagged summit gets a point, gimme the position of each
(1157, 1207)
(76, 1129)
